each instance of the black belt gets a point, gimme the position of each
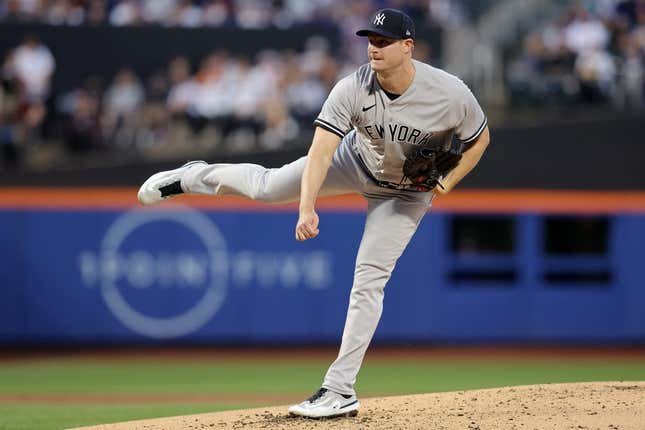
(384, 184)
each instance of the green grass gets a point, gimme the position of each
(36, 417)
(296, 378)
(434, 377)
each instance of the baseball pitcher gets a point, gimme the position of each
(396, 131)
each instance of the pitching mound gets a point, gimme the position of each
(598, 405)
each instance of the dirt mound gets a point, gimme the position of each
(598, 405)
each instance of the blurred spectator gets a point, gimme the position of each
(158, 11)
(65, 12)
(633, 75)
(252, 14)
(125, 95)
(280, 126)
(187, 14)
(153, 123)
(585, 33)
(9, 145)
(305, 91)
(126, 12)
(182, 87)
(97, 13)
(19, 128)
(216, 13)
(31, 64)
(81, 128)
(121, 104)
(26, 79)
(23, 10)
(211, 99)
(596, 72)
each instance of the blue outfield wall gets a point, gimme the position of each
(188, 276)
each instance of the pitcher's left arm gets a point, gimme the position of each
(469, 160)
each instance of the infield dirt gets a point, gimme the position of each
(598, 405)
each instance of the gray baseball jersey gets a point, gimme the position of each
(435, 108)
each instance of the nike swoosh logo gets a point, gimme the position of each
(365, 109)
(349, 404)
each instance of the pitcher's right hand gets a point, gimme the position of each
(307, 226)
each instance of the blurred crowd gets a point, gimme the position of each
(248, 14)
(226, 103)
(26, 78)
(592, 54)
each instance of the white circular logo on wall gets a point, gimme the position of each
(204, 270)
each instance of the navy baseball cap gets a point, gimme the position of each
(389, 23)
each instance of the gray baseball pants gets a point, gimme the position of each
(392, 219)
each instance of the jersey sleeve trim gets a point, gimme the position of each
(329, 127)
(477, 133)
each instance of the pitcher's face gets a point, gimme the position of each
(386, 53)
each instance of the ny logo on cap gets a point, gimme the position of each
(378, 19)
